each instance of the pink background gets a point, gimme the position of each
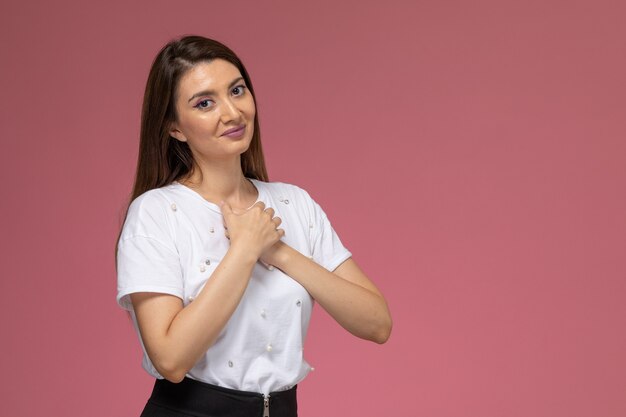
(472, 155)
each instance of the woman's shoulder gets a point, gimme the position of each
(150, 210)
(283, 190)
(154, 200)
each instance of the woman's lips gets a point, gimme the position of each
(235, 132)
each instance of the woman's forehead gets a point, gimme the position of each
(213, 75)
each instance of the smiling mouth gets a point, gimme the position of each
(235, 131)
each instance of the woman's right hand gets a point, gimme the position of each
(253, 230)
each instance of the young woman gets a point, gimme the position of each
(217, 266)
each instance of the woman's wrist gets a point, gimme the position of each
(278, 255)
(243, 254)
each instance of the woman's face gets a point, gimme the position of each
(215, 111)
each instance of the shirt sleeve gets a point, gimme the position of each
(327, 249)
(147, 259)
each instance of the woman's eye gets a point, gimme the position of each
(204, 104)
(239, 90)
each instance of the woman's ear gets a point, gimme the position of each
(177, 134)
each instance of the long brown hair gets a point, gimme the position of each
(163, 159)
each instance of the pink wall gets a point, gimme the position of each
(472, 155)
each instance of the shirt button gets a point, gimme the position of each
(269, 348)
(263, 314)
(173, 207)
(230, 364)
(202, 268)
(191, 298)
(207, 261)
(211, 230)
(298, 303)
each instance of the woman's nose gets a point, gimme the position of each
(229, 111)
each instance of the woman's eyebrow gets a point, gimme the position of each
(211, 92)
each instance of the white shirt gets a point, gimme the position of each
(171, 242)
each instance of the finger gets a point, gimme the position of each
(225, 208)
(280, 232)
(277, 221)
(270, 211)
(258, 204)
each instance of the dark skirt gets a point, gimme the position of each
(199, 399)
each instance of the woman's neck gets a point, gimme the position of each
(222, 181)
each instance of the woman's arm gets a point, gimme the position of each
(346, 294)
(175, 338)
